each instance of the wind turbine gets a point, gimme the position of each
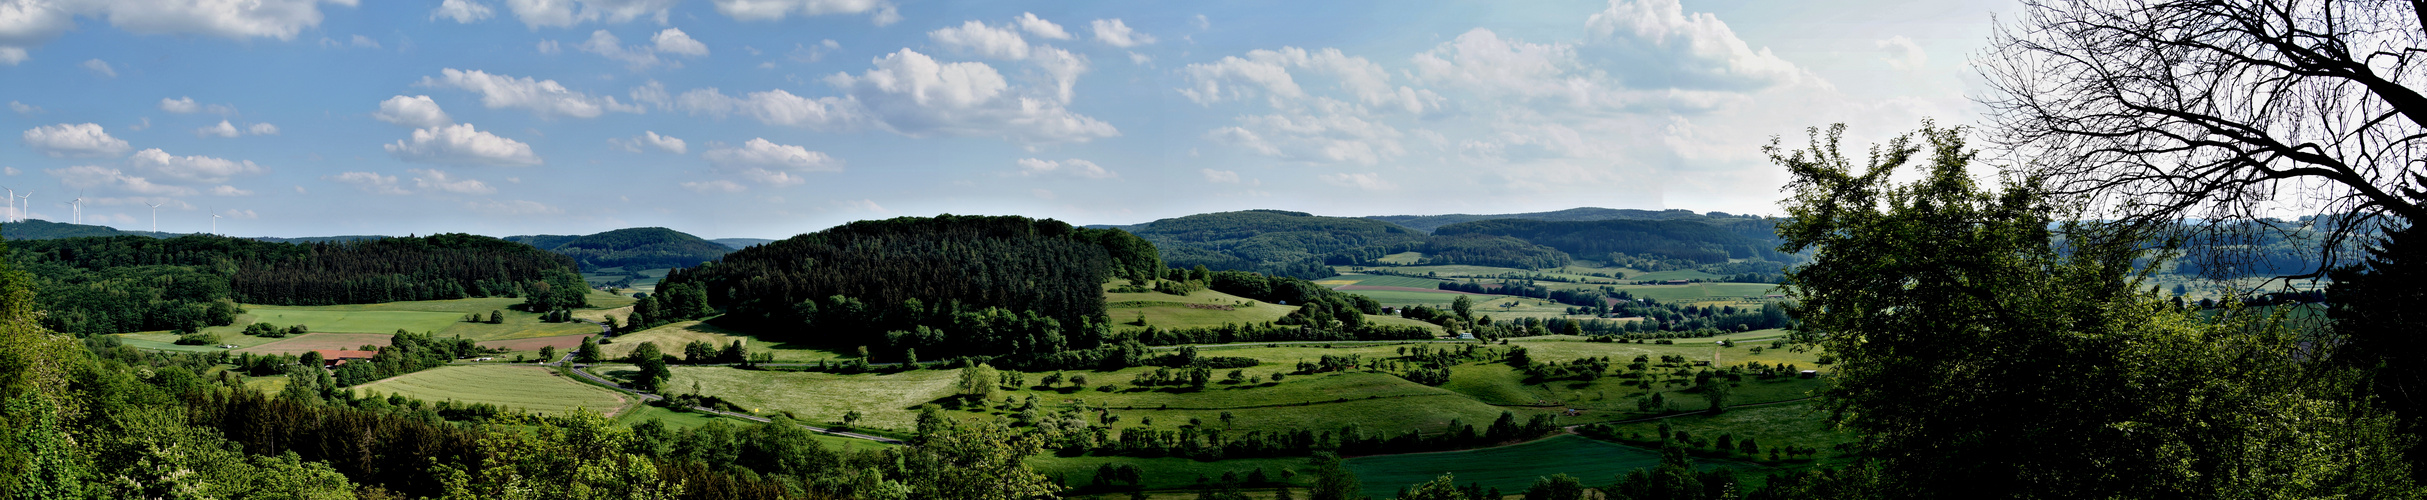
(78, 205)
(156, 216)
(214, 223)
(29, 206)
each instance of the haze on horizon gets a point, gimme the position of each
(725, 118)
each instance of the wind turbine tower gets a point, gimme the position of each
(214, 223)
(155, 216)
(78, 207)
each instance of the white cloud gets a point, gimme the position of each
(1220, 176)
(674, 41)
(1140, 59)
(1116, 33)
(1657, 45)
(881, 12)
(665, 143)
(359, 42)
(462, 11)
(1901, 53)
(670, 41)
(28, 24)
(144, 123)
(186, 105)
(1040, 27)
(1059, 66)
(227, 190)
(761, 153)
(1365, 181)
(913, 94)
(513, 207)
(544, 97)
(76, 140)
(368, 182)
(1268, 72)
(563, 13)
(199, 169)
(99, 177)
(262, 129)
(1332, 135)
(550, 47)
(461, 144)
(100, 68)
(23, 108)
(1072, 167)
(773, 107)
(427, 180)
(415, 111)
(223, 129)
(715, 186)
(239, 214)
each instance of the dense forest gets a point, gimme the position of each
(1273, 241)
(1429, 223)
(631, 248)
(1698, 241)
(984, 284)
(135, 283)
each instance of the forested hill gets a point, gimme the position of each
(1030, 282)
(37, 229)
(635, 248)
(1704, 241)
(1273, 241)
(135, 283)
(1429, 223)
(741, 243)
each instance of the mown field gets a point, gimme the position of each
(1163, 310)
(521, 332)
(887, 400)
(528, 388)
(1513, 468)
(672, 337)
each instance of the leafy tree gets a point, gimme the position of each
(1555, 487)
(978, 461)
(1333, 481)
(1464, 307)
(547, 354)
(978, 382)
(589, 350)
(1958, 317)
(651, 364)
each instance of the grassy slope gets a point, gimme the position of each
(1802, 425)
(1513, 468)
(671, 338)
(526, 388)
(1172, 311)
(887, 400)
(442, 317)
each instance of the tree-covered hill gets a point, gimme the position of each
(1273, 241)
(741, 243)
(982, 284)
(38, 229)
(1708, 241)
(1430, 223)
(632, 248)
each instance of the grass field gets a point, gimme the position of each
(1513, 468)
(353, 320)
(528, 388)
(316, 341)
(1378, 280)
(887, 400)
(1802, 425)
(1173, 311)
(671, 338)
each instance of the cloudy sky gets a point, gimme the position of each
(767, 118)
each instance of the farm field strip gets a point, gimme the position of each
(530, 388)
(1512, 468)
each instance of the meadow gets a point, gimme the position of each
(1513, 468)
(887, 400)
(672, 337)
(529, 388)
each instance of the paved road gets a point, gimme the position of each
(578, 370)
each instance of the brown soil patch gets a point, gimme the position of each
(560, 342)
(318, 341)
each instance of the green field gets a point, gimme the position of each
(528, 388)
(355, 319)
(1513, 468)
(1173, 311)
(1801, 425)
(1378, 280)
(1167, 473)
(672, 337)
(887, 400)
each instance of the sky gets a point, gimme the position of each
(769, 118)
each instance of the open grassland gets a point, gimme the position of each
(534, 389)
(1402, 258)
(443, 318)
(1163, 310)
(1800, 425)
(356, 320)
(1379, 280)
(562, 343)
(888, 401)
(671, 338)
(1513, 468)
(1169, 473)
(1197, 297)
(317, 341)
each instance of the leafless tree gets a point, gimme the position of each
(2213, 117)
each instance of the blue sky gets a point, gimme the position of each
(767, 118)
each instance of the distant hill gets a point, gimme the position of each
(1430, 223)
(38, 229)
(741, 243)
(635, 248)
(1272, 241)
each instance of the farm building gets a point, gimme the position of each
(332, 358)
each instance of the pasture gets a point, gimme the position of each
(1801, 425)
(355, 320)
(888, 401)
(1168, 473)
(671, 337)
(317, 341)
(527, 388)
(1513, 468)
(1202, 309)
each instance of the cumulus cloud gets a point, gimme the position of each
(715, 186)
(651, 139)
(227, 190)
(223, 129)
(99, 177)
(74, 140)
(1220, 176)
(913, 94)
(563, 13)
(1004, 42)
(368, 182)
(762, 153)
(100, 68)
(462, 11)
(543, 97)
(462, 145)
(1329, 134)
(1365, 181)
(262, 129)
(358, 42)
(1116, 33)
(1073, 167)
(186, 105)
(1040, 27)
(881, 12)
(25, 25)
(773, 107)
(1657, 45)
(197, 169)
(413, 111)
(638, 57)
(674, 41)
(436, 180)
(1268, 72)
(1901, 53)
(23, 108)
